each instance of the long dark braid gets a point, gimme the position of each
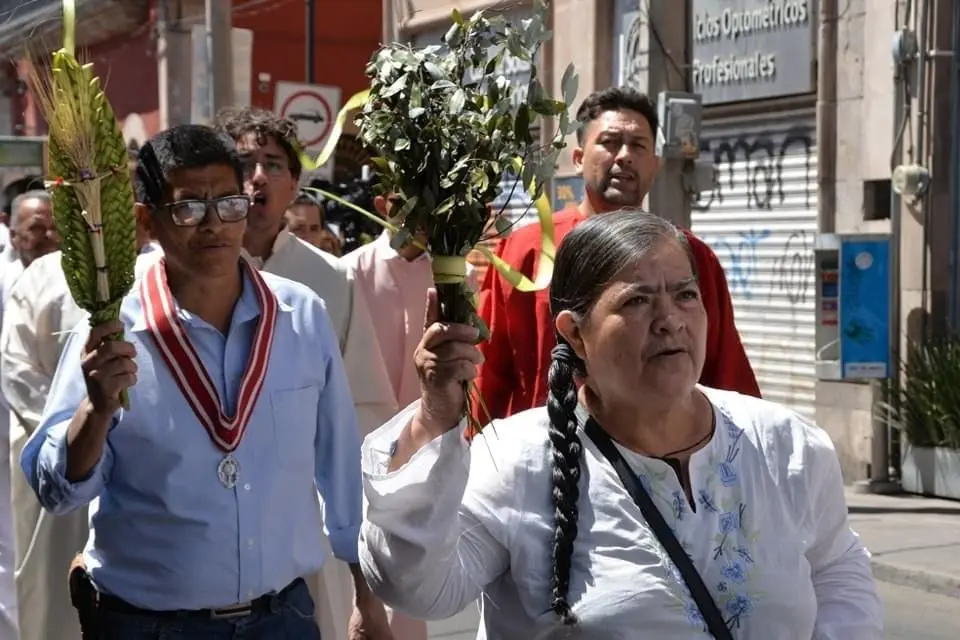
(589, 258)
(561, 408)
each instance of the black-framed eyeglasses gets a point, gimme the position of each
(190, 213)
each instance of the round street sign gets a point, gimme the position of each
(312, 114)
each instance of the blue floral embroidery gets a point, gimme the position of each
(726, 470)
(729, 522)
(719, 496)
(679, 505)
(734, 573)
(733, 431)
(694, 615)
(727, 474)
(706, 501)
(738, 608)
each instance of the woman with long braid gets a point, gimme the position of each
(637, 504)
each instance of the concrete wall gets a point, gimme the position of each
(589, 23)
(866, 129)
(864, 142)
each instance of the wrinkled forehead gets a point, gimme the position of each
(664, 267)
(35, 206)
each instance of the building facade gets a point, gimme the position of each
(754, 65)
(151, 56)
(802, 105)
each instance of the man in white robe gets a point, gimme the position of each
(268, 144)
(38, 311)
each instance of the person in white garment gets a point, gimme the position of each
(32, 236)
(268, 147)
(636, 499)
(38, 317)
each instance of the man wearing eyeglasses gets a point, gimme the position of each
(239, 412)
(268, 147)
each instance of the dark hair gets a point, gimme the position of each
(615, 99)
(237, 122)
(19, 187)
(307, 198)
(185, 146)
(589, 258)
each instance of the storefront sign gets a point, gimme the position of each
(752, 49)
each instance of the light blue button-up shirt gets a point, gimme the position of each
(167, 534)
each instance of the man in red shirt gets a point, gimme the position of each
(616, 157)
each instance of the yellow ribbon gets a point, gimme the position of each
(449, 269)
(355, 102)
(515, 278)
(70, 27)
(548, 249)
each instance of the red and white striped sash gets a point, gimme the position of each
(180, 356)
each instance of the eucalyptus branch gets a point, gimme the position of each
(446, 126)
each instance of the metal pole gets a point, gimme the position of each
(827, 116)
(889, 390)
(310, 36)
(219, 58)
(211, 66)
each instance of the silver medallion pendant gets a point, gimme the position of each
(229, 471)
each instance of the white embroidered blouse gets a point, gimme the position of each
(768, 533)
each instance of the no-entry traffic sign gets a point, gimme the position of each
(312, 107)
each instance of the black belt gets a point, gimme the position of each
(107, 602)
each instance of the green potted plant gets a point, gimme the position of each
(928, 416)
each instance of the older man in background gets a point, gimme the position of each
(39, 314)
(38, 594)
(31, 232)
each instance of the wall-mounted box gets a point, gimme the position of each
(853, 312)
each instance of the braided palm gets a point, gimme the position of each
(77, 84)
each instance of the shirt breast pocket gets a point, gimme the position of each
(295, 424)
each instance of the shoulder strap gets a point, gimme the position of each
(701, 595)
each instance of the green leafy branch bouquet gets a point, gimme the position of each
(444, 125)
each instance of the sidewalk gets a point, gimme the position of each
(915, 541)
